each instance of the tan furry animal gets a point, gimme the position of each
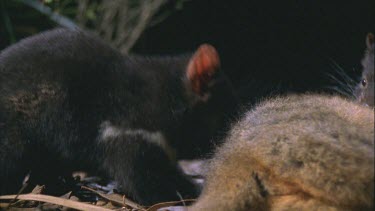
(308, 152)
(301, 152)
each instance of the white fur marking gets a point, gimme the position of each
(108, 131)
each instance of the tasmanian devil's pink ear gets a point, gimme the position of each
(202, 67)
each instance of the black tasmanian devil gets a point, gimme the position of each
(69, 101)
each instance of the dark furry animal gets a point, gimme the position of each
(364, 91)
(359, 90)
(68, 102)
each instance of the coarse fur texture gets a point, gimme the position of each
(308, 152)
(299, 152)
(68, 101)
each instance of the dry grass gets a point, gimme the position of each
(90, 196)
(106, 201)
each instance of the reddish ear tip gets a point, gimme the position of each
(209, 51)
(207, 48)
(208, 57)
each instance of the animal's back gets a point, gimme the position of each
(299, 152)
(84, 73)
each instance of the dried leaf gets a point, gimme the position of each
(38, 189)
(117, 199)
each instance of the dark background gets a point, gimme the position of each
(268, 47)
(271, 45)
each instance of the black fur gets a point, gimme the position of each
(61, 89)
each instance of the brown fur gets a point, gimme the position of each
(30, 103)
(306, 152)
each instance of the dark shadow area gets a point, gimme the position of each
(270, 47)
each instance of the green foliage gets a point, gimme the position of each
(21, 18)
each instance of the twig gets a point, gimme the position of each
(81, 17)
(155, 207)
(56, 200)
(121, 201)
(59, 19)
(148, 10)
(19, 192)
